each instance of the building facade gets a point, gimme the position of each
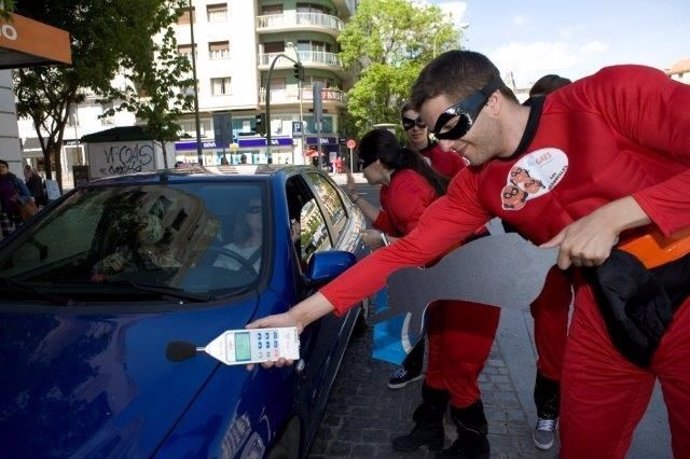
(245, 57)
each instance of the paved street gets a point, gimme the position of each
(363, 415)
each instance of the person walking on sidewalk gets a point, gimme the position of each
(460, 333)
(607, 158)
(550, 313)
(447, 164)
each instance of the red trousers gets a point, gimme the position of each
(550, 313)
(604, 396)
(460, 337)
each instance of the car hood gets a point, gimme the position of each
(74, 382)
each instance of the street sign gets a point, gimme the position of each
(296, 129)
(351, 144)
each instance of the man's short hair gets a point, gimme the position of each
(457, 74)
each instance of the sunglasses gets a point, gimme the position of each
(253, 210)
(409, 123)
(465, 112)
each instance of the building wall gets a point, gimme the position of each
(9, 134)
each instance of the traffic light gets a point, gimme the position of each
(261, 124)
(299, 71)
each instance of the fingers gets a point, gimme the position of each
(555, 241)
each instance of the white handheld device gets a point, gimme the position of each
(241, 347)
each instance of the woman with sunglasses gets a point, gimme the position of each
(460, 333)
(444, 162)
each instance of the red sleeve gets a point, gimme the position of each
(383, 223)
(444, 224)
(649, 108)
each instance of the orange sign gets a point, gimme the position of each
(31, 42)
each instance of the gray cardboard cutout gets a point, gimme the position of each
(501, 270)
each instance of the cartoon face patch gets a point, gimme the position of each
(532, 176)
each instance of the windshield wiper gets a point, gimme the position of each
(31, 292)
(163, 290)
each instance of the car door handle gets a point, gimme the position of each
(299, 366)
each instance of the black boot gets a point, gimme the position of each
(472, 429)
(547, 398)
(428, 418)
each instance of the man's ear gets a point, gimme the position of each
(495, 103)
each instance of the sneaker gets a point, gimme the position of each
(402, 378)
(544, 433)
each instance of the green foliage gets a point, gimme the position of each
(107, 35)
(159, 77)
(388, 42)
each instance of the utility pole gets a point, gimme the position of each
(199, 153)
(268, 98)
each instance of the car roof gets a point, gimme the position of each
(194, 173)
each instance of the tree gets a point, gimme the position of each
(388, 42)
(105, 35)
(159, 76)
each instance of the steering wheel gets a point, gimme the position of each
(245, 266)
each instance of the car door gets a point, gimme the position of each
(327, 224)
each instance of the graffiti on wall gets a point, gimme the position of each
(125, 158)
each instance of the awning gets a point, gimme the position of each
(25, 42)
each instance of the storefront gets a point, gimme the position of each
(249, 150)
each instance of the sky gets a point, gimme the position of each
(531, 38)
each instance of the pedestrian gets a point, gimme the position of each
(35, 184)
(460, 333)
(243, 159)
(550, 312)
(585, 169)
(447, 164)
(13, 195)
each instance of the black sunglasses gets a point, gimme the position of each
(409, 123)
(467, 110)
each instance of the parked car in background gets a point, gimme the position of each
(98, 285)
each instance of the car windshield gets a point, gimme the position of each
(192, 241)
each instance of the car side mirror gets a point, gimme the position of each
(323, 267)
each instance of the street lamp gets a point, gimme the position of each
(199, 154)
(292, 46)
(268, 97)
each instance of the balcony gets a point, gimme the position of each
(290, 95)
(309, 59)
(291, 21)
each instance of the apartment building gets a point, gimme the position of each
(236, 42)
(245, 52)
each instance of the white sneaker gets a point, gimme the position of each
(544, 434)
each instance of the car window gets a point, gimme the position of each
(332, 202)
(193, 237)
(314, 236)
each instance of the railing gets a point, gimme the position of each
(294, 19)
(307, 58)
(290, 94)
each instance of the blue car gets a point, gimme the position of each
(97, 287)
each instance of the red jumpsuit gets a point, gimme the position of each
(550, 309)
(444, 162)
(621, 132)
(460, 333)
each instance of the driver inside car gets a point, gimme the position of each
(247, 237)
